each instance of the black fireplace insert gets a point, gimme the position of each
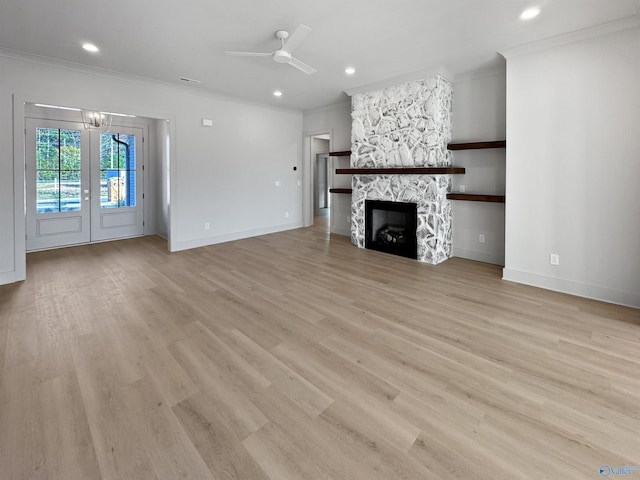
(390, 227)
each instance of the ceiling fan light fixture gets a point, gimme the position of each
(281, 56)
(530, 13)
(349, 70)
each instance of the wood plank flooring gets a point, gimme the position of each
(298, 356)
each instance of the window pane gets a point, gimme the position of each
(47, 182)
(117, 170)
(113, 191)
(70, 191)
(58, 187)
(47, 143)
(69, 149)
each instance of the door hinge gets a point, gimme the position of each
(143, 223)
(143, 195)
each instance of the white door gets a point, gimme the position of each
(116, 184)
(57, 174)
(82, 186)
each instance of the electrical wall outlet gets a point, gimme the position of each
(277, 183)
(481, 238)
(462, 188)
(554, 259)
(207, 226)
(286, 214)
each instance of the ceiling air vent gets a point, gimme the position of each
(189, 80)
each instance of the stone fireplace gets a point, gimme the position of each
(409, 126)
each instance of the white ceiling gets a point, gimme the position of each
(382, 39)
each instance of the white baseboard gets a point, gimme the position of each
(10, 277)
(229, 237)
(594, 292)
(478, 256)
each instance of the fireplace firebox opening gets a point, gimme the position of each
(390, 227)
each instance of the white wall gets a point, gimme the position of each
(573, 164)
(479, 114)
(163, 160)
(335, 120)
(222, 175)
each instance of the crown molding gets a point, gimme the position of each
(346, 102)
(408, 77)
(481, 73)
(594, 31)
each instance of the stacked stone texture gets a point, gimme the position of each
(407, 125)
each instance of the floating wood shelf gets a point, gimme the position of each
(341, 190)
(477, 145)
(345, 153)
(401, 171)
(473, 197)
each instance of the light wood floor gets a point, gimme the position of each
(292, 356)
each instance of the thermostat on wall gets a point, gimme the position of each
(207, 122)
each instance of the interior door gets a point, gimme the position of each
(57, 187)
(116, 181)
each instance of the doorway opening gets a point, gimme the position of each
(88, 185)
(317, 178)
(321, 186)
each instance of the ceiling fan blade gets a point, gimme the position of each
(296, 38)
(294, 62)
(248, 54)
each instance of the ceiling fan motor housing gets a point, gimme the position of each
(281, 56)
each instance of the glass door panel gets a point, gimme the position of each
(117, 170)
(57, 172)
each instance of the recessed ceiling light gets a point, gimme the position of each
(530, 13)
(277, 93)
(90, 47)
(349, 70)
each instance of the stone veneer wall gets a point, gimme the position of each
(406, 125)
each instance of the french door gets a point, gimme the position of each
(116, 184)
(82, 186)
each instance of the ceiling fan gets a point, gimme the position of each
(284, 54)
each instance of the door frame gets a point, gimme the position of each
(18, 271)
(92, 213)
(308, 176)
